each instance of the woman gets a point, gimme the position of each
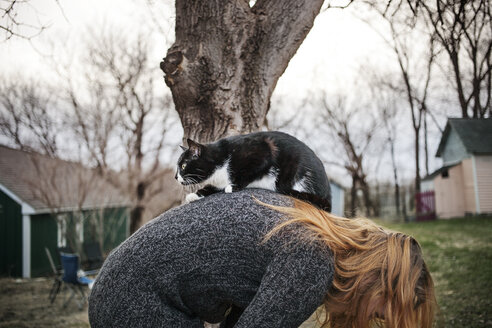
(233, 259)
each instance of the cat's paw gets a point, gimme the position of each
(192, 197)
(228, 189)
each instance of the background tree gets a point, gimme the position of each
(27, 116)
(387, 107)
(121, 111)
(112, 113)
(13, 26)
(355, 129)
(464, 30)
(414, 64)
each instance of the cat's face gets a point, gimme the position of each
(193, 165)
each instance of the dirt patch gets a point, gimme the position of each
(24, 303)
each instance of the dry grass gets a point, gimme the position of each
(24, 304)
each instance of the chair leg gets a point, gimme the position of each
(72, 294)
(55, 289)
(82, 299)
(78, 292)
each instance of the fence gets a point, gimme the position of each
(425, 203)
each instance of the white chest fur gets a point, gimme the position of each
(220, 178)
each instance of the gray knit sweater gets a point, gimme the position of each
(193, 263)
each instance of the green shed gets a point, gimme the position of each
(50, 203)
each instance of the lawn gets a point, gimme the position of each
(459, 255)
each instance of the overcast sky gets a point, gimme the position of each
(328, 58)
(335, 43)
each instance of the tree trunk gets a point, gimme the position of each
(404, 205)
(227, 59)
(459, 86)
(353, 197)
(137, 211)
(135, 217)
(417, 161)
(395, 176)
(397, 198)
(426, 146)
(370, 210)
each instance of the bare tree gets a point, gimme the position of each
(464, 30)
(120, 109)
(114, 111)
(277, 119)
(27, 115)
(14, 26)
(415, 69)
(355, 130)
(387, 107)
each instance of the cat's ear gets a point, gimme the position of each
(183, 148)
(195, 148)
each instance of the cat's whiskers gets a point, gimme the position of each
(194, 176)
(192, 181)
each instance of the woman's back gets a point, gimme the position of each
(194, 262)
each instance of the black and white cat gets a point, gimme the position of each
(267, 160)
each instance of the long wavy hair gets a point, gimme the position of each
(380, 279)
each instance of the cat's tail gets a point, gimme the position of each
(320, 202)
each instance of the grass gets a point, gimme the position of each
(458, 252)
(459, 255)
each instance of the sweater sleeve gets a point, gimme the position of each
(293, 287)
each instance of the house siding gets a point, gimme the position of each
(468, 186)
(454, 150)
(449, 193)
(483, 166)
(10, 237)
(43, 234)
(337, 199)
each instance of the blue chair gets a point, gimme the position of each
(74, 279)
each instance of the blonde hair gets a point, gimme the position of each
(380, 276)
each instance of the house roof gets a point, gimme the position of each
(476, 134)
(437, 172)
(47, 184)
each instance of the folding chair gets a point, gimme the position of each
(57, 281)
(74, 279)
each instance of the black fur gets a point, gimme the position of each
(253, 156)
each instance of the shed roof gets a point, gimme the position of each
(47, 184)
(438, 172)
(476, 134)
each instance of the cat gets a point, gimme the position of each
(269, 160)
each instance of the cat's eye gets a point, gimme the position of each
(183, 166)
